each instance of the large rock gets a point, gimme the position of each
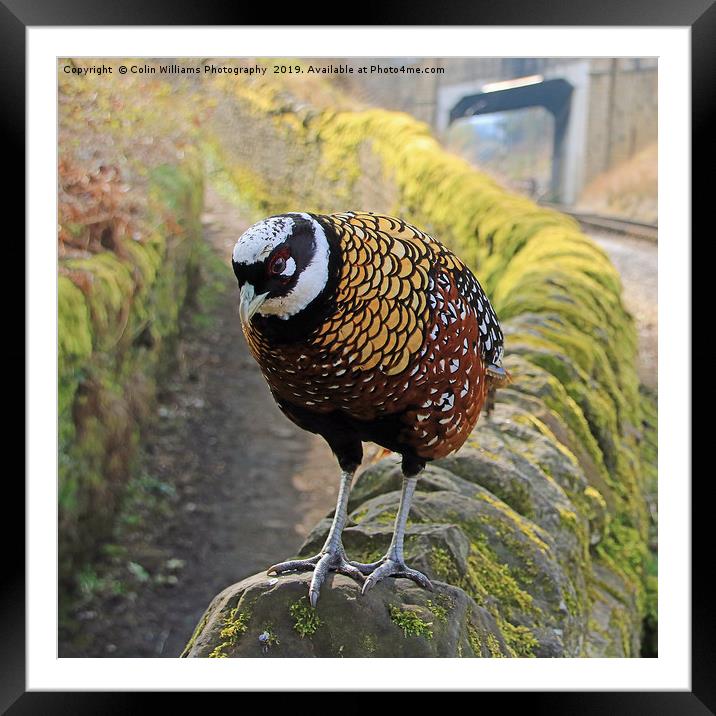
(264, 617)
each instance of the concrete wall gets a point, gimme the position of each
(622, 111)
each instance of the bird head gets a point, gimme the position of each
(281, 264)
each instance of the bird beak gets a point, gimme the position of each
(249, 302)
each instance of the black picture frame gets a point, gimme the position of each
(699, 15)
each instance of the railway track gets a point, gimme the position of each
(625, 227)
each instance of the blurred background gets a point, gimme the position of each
(578, 132)
(178, 475)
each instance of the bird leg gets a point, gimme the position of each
(393, 563)
(332, 557)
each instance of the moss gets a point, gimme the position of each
(117, 316)
(621, 625)
(494, 646)
(525, 526)
(473, 637)
(651, 619)
(624, 551)
(649, 459)
(487, 576)
(359, 515)
(410, 622)
(493, 585)
(388, 517)
(597, 512)
(367, 556)
(368, 644)
(74, 331)
(514, 493)
(574, 602)
(234, 625)
(518, 498)
(438, 610)
(110, 287)
(305, 618)
(567, 518)
(520, 640)
(443, 565)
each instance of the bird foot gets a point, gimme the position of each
(332, 560)
(390, 567)
(368, 567)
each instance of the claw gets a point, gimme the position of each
(367, 586)
(319, 575)
(419, 578)
(294, 565)
(321, 564)
(393, 568)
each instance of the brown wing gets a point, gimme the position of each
(449, 381)
(383, 306)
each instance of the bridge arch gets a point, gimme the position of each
(564, 96)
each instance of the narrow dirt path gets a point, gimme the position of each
(637, 263)
(263, 482)
(238, 488)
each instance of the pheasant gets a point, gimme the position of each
(367, 329)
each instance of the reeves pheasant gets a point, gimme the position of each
(367, 329)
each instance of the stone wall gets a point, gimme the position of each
(540, 521)
(118, 314)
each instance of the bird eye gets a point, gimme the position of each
(277, 265)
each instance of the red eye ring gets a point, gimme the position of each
(277, 264)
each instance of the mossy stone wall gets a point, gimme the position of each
(118, 314)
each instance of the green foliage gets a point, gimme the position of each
(474, 639)
(440, 611)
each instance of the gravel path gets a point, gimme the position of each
(636, 261)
